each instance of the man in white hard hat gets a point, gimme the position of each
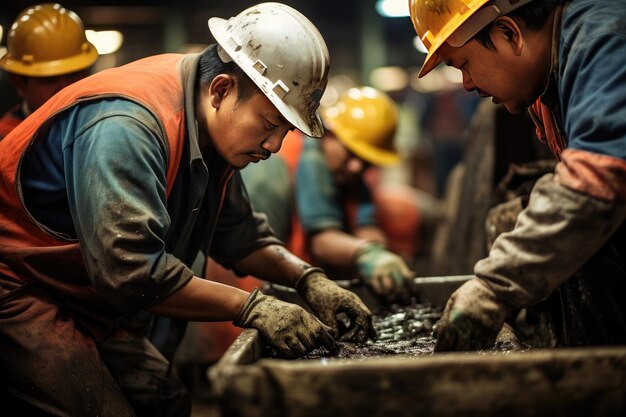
(115, 186)
(46, 50)
(564, 61)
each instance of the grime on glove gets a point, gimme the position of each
(288, 328)
(384, 272)
(328, 300)
(471, 319)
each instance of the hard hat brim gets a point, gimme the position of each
(51, 68)
(372, 154)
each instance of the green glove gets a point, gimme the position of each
(328, 300)
(472, 318)
(384, 272)
(288, 328)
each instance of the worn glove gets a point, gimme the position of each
(384, 272)
(288, 328)
(328, 300)
(472, 318)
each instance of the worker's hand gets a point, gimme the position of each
(328, 300)
(472, 318)
(384, 272)
(288, 328)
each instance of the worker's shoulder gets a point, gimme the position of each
(113, 113)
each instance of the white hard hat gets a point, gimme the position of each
(284, 54)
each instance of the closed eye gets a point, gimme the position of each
(269, 125)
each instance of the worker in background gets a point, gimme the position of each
(113, 188)
(46, 50)
(563, 61)
(332, 220)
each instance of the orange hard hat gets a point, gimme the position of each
(454, 21)
(47, 40)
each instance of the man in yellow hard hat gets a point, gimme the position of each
(333, 219)
(46, 50)
(564, 61)
(114, 191)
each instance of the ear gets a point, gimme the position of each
(221, 86)
(507, 32)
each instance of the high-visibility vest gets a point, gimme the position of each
(30, 253)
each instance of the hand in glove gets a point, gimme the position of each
(289, 328)
(328, 299)
(472, 318)
(384, 272)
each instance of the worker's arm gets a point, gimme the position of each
(559, 231)
(287, 327)
(384, 272)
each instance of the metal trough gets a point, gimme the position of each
(542, 382)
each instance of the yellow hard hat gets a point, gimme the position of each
(364, 120)
(47, 40)
(454, 21)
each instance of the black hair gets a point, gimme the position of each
(534, 15)
(211, 65)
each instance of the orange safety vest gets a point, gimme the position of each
(28, 251)
(9, 121)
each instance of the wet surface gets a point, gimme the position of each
(400, 330)
(405, 331)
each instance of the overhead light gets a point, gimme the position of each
(393, 8)
(389, 78)
(105, 41)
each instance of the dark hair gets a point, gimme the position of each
(211, 65)
(534, 15)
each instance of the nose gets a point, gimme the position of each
(468, 84)
(273, 142)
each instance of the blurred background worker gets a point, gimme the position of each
(560, 61)
(332, 220)
(46, 50)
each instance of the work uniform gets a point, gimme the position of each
(128, 202)
(571, 235)
(11, 119)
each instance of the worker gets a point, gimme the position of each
(561, 60)
(112, 189)
(332, 221)
(47, 49)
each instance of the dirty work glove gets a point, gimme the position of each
(472, 318)
(328, 300)
(288, 328)
(384, 272)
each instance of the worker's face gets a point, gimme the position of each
(511, 74)
(241, 131)
(345, 167)
(37, 90)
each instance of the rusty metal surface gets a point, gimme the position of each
(542, 382)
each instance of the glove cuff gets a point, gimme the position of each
(242, 317)
(300, 284)
(367, 247)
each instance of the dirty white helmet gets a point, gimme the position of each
(284, 54)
